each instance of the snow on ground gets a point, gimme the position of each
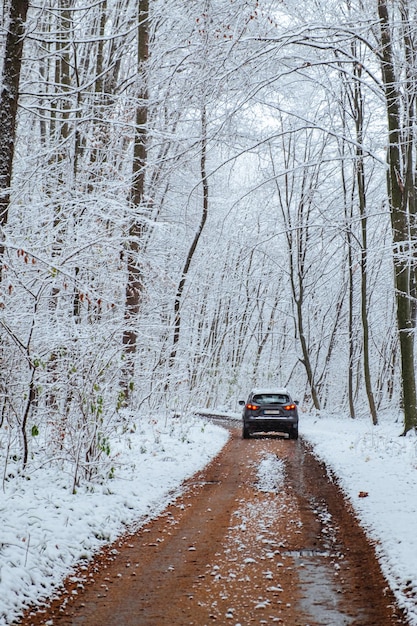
(46, 530)
(377, 471)
(271, 474)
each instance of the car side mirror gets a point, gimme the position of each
(297, 402)
(242, 402)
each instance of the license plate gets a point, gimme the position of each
(271, 412)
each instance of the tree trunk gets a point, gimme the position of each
(134, 286)
(193, 247)
(8, 104)
(306, 361)
(410, 95)
(399, 223)
(360, 176)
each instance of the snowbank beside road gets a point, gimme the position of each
(46, 530)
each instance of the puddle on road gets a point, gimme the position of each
(320, 595)
(299, 554)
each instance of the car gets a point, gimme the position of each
(270, 410)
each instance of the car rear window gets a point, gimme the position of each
(271, 398)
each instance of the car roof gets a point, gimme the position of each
(269, 390)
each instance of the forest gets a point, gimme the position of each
(199, 196)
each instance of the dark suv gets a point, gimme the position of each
(270, 410)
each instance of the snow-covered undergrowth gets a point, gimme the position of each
(46, 529)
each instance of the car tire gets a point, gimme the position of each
(245, 433)
(294, 434)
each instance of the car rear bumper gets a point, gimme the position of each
(261, 424)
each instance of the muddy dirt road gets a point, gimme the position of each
(259, 537)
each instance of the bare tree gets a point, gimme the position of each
(400, 194)
(358, 116)
(194, 243)
(134, 285)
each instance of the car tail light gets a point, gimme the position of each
(252, 407)
(289, 407)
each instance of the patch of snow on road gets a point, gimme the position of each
(271, 473)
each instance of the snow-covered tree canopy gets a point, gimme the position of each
(197, 197)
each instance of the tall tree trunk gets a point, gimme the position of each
(350, 328)
(348, 212)
(360, 176)
(134, 286)
(193, 247)
(305, 360)
(397, 193)
(63, 70)
(410, 96)
(8, 104)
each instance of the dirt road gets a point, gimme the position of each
(261, 536)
